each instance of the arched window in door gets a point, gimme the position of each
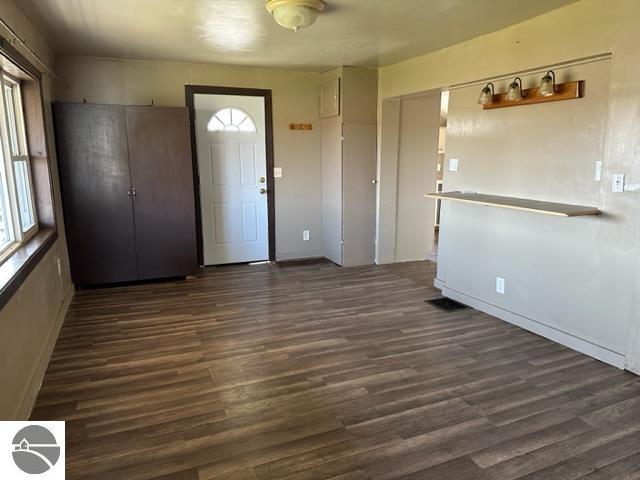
(231, 120)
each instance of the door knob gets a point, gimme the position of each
(263, 191)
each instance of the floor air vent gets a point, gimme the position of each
(446, 304)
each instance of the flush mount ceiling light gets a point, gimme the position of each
(295, 14)
(548, 84)
(514, 91)
(486, 94)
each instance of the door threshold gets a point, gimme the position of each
(259, 262)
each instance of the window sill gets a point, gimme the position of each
(8, 251)
(16, 268)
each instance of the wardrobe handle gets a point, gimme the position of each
(129, 193)
(133, 191)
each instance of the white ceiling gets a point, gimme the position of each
(241, 32)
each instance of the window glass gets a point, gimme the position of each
(237, 116)
(11, 119)
(6, 228)
(231, 120)
(6, 232)
(17, 210)
(215, 125)
(225, 116)
(247, 125)
(23, 192)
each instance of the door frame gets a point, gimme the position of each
(190, 93)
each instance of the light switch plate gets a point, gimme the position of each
(277, 172)
(598, 170)
(500, 285)
(618, 183)
(453, 164)
(305, 235)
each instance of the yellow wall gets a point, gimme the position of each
(30, 321)
(295, 100)
(586, 28)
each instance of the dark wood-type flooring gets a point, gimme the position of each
(314, 372)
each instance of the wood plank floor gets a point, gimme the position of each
(315, 372)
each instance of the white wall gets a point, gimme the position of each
(592, 292)
(295, 100)
(30, 321)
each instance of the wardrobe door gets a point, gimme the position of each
(94, 173)
(162, 175)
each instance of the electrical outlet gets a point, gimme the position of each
(453, 164)
(277, 172)
(500, 283)
(305, 235)
(618, 183)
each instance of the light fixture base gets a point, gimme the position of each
(564, 91)
(295, 14)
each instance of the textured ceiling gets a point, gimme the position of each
(241, 32)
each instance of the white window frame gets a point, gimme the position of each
(7, 168)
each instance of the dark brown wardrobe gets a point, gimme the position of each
(127, 190)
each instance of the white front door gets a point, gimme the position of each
(230, 139)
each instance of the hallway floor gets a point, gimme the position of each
(314, 372)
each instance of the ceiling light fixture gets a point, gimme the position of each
(295, 14)
(514, 92)
(486, 94)
(548, 84)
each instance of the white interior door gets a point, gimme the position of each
(230, 138)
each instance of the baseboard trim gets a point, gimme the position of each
(23, 412)
(568, 340)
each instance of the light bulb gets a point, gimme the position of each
(486, 95)
(514, 91)
(548, 84)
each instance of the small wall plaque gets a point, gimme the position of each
(300, 126)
